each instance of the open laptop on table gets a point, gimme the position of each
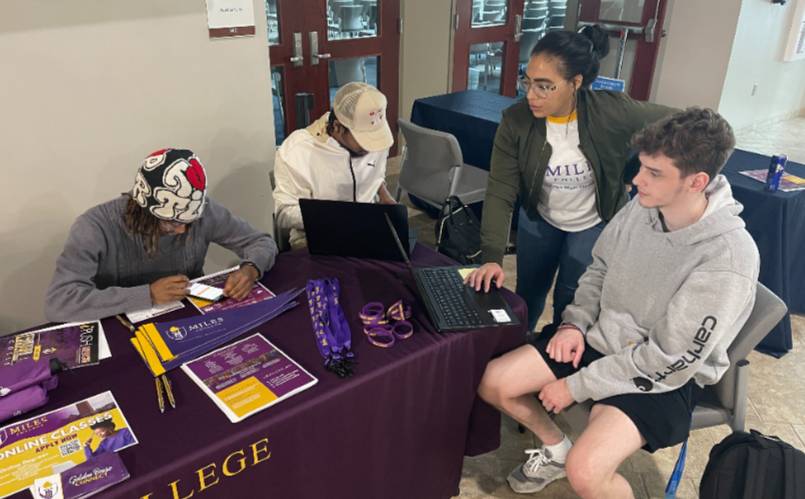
(451, 304)
(345, 228)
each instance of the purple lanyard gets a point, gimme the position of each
(333, 337)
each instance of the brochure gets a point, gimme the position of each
(58, 440)
(248, 376)
(788, 183)
(74, 345)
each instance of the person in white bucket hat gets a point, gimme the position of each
(340, 157)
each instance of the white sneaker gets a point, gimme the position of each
(536, 473)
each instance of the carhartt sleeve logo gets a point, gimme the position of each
(703, 334)
(643, 384)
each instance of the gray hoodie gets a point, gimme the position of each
(104, 270)
(664, 306)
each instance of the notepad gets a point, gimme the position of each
(205, 292)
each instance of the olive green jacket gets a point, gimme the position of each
(607, 121)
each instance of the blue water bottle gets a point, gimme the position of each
(775, 173)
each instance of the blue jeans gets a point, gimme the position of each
(541, 250)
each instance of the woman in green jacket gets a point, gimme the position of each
(562, 151)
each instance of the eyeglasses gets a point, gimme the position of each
(540, 88)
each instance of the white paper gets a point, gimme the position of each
(205, 292)
(103, 345)
(230, 13)
(500, 315)
(149, 313)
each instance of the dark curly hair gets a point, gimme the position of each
(139, 222)
(696, 140)
(578, 53)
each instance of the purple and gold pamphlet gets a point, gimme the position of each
(74, 345)
(248, 376)
(57, 441)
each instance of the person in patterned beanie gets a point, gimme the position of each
(141, 248)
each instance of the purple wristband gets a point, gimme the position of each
(403, 330)
(380, 336)
(373, 313)
(399, 311)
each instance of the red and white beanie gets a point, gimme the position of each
(172, 185)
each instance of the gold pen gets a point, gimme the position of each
(160, 398)
(126, 323)
(168, 390)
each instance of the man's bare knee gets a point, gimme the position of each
(488, 389)
(584, 476)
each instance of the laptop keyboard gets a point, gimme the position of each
(448, 293)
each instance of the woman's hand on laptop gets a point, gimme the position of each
(483, 276)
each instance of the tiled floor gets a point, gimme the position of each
(776, 391)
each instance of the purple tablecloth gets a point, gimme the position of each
(398, 429)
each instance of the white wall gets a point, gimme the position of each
(757, 58)
(426, 48)
(693, 60)
(87, 89)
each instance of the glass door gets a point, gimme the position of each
(485, 51)
(539, 17)
(316, 46)
(636, 30)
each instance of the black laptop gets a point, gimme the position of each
(344, 228)
(451, 304)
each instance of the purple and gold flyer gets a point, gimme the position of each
(59, 440)
(74, 345)
(248, 376)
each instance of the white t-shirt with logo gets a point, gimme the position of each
(567, 200)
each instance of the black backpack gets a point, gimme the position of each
(458, 232)
(753, 466)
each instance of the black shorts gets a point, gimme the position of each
(663, 419)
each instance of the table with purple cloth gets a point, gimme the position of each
(776, 220)
(398, 428)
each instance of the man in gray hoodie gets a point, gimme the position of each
(672, 282)
(139, 249)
